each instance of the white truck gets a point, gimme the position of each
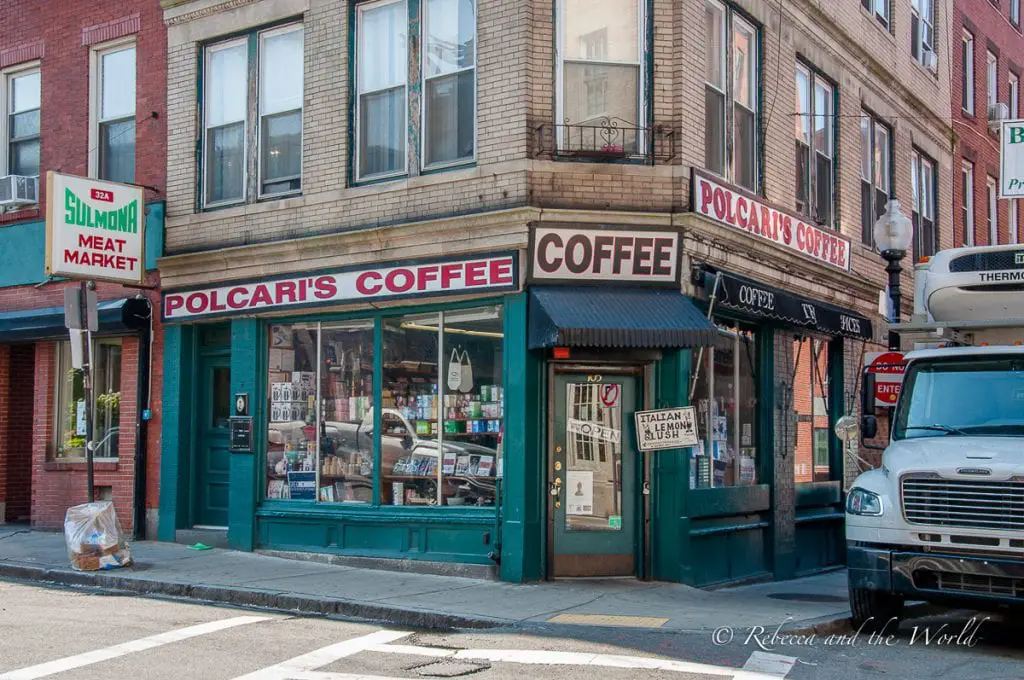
(942, 520)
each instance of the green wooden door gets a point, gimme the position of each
(594, 470)
(212, 456)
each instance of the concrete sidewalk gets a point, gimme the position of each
(171, 570)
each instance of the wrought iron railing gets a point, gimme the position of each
(604, 138)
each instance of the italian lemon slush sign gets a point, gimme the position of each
(1011, 157)
(94, 229)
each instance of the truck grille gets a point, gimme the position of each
(970, 504)
(1004, 586)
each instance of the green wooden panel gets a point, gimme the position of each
(457, 540)
(730, 500)
(370, 537)
(247, 375)
(812, 494)
(738, 555)
(819, 545)
(176, 431)
(670, 475)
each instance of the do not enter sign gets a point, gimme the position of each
(888, 368)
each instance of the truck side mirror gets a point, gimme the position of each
(867, 395)
(868, 427)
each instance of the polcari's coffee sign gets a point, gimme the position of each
(480, 274)
(608, 255)
(735, 208)
(94, 229)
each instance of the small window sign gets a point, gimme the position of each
(241, 434)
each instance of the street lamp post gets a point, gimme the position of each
(893, 234)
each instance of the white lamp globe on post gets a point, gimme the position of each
(893, 233)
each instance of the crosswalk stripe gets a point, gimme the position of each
(97, 655)
(292, 668)
(776, 665)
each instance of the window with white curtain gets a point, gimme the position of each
(280, 110)
(449, 81)
(113, 79)
(21, 97)
(967, 72)
(382, 68)
(600, 48)
(225, 118)
(992, 79)
(967, 201)
(815, 139)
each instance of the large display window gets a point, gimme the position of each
(437, 434)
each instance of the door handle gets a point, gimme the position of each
(555, 487)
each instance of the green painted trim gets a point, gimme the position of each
(670, 483)
(352, 512)
(833, 516)
(813, 494)
(176, 431)
(378, 387)
(729, 500)
(729, 528)
(246, 376)
(837, 405)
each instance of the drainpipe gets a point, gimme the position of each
(142, 392)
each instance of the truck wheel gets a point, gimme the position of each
(874, 610)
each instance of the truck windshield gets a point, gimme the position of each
(949, 397)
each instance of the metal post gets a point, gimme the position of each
(87, 389)
(892, 258)
(442, 377)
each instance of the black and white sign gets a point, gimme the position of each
(669, 428)
(240, 434)
(613, 255)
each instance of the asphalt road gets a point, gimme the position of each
(60, 633)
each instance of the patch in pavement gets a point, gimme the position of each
(609, 620)
(449, 669)
(808, 597)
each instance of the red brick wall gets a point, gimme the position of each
(60, 32)
(19, 433)
(990, 25)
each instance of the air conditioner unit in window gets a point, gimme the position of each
(931, 62)
(17, 191)
(997, 113)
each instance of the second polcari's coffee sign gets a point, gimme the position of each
(604, 255)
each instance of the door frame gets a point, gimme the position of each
(200, 354)
(644, 370)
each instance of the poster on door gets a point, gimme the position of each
(579, 492)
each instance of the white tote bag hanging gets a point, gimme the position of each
(455, 371)
(467, 373)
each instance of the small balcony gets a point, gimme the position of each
(604, 139)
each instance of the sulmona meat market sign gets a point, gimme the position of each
(736, 208)
(469, 275)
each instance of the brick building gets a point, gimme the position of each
(987, 70)
(83, 92)
(387, 245)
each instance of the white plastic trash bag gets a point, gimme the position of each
(94, 537)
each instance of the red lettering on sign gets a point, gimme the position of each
(261, 296)
(707, 194)
(449, 273)
(101, 195)
(368, 283)
(476, 274)
(173, 303)
(197, 302)
(233, 298)
(285, 292)
(392, 283)
(424, 275)
(326, 287)
(501, 272)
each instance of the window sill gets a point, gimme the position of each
(380, 179)
(19, 215)
(884, 27)
(934, 75)
(446, 167)
(108, 465)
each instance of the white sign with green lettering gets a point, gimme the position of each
(1011, 158)
(94, 229)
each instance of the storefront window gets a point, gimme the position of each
(725, 394)
(106, 381)
(811, 410)
(441, 382)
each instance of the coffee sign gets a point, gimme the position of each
(735, 208)
(622, 256)
(94, 229)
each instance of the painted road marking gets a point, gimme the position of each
(775, 665)
(299, 666)
(609, 620)
(88, 658)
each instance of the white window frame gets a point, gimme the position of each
(404, 170)
(1013, 95)
(96, 55)
(967, 195)
(261, 35)
(992, 186)
(7, 77)
(967, 41)
(1015, 13)
(207, 51)
(991, 79)
(755, 77)
(924, 195)
(723, 57)
(814, 80)
(424, 27)
(1014, 221)
(641, 62)
(879, 9)
(923, 48)
(63, 367)
(876, 127)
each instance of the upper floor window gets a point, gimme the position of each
(113, 134)
(967, 72)
(601, 76)
(732, 71)
(382, 68)
(20, 100)
(449, 73)
(271, 112)
(992, 187)
(1015, 12)
(922, 32)
(879, 8)
(992, 80)
(967, 201)
(922, 182)
(1013, 96)
(815, 140)
(875, 172)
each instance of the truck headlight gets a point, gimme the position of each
(863, 502)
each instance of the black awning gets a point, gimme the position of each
(759, 300)
(115, 316)
(592, 316)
